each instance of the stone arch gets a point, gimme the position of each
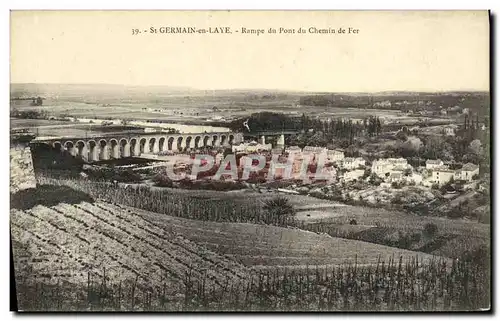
(206, 139)
(189, 140)
(170, 144)
(161, 144)
(57, 146)
(103, 146)
(143, 146)
(179, 143)
(197, 140)
(134, 151)
(215, 140)
(115, 148)
(70, 148)
(223, 140)
(124, 148)
(81, 149)
(153, 145)
(92, 146)
(231, 139)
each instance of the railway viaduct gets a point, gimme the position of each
(121, 145)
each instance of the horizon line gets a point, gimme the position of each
(188, 88)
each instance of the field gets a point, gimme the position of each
(314, 210)
(264, 245)
(324, 216)
(73, 251)
(104, 256)
(179, 105)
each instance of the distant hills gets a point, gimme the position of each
(51, 90)
(91, 90)
(109, 93)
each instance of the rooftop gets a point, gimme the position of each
(433, 161)
(470, 167)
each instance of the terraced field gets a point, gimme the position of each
(87, 255)
(268, 246)
(66, 242)
(69, 240)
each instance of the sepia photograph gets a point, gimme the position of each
(250, 161)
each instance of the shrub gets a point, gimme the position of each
(353, 222)
(279, 206)
(162, 180)
(430, 229)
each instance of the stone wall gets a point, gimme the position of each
(22, 173)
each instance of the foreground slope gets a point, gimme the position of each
(264, 245)
(76, 242)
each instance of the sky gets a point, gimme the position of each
(407, 51)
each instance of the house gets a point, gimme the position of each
(414, 178)
(442, 175)
(314, 150)
(251, 147)
(449, 131)
(396, 177)
(299, 165)
(385, 103)
(353, 175)
(433, 163)
(335, 156)
(467, 172)
(383, 166)
(293, 150)
(277, 151)
(353, 163)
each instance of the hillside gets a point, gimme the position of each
(129, 242)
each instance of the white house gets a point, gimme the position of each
(293, 150)
(353, 175)
(383, 166)
(276, 151)
(396, 177)
(442, 175)
(314, 150)
(415, 178)
(335, 156)
(433, 163)
(353, 163)
(251, 147)
(467, 171)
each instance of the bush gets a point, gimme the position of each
(279, 206)
(430, 229)
(353, 222)
(162, 180)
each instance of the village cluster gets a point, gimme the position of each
(297, 163)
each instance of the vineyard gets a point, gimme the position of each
(265, 245)
(92, 247)
(74, 243)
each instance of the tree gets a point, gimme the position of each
(475, 147)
